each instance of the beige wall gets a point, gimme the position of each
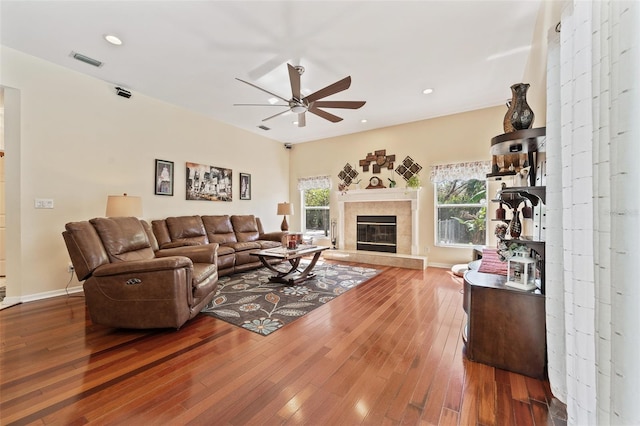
(78, 143)
(73, 140)
(450, 139)
(536, 70)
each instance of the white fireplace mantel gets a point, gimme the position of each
(378, 195)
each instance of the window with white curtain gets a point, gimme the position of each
(315, 195)
(460, 203)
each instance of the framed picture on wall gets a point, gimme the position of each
(164, 177)
(208, 183)
(245, 186)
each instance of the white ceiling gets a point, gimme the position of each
(189, 53)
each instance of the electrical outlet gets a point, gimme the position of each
(70, 268)
(43, 203)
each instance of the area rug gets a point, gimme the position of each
(250, 301)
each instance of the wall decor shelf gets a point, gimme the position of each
(506, 325)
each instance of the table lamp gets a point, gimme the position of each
(124, 206)
(285, 209)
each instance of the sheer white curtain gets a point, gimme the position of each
(314, 182)
(460, 171)
(593, 212)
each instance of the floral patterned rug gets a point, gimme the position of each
(250, 301)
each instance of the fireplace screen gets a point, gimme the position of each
(376, 233)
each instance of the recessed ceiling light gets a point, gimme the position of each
(295, 123)
(273, 101)
(113, 39)
(364, 120)
(427, 91)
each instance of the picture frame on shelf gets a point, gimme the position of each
(164, 178)
(245, 186)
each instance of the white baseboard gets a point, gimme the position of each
(11, 301)
(7, 302)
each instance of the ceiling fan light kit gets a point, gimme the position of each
(299, 104)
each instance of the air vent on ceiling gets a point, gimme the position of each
(263, 127)
(86, 59)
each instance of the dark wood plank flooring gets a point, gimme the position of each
(387, 352)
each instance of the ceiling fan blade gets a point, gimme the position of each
(339, 104)
(294, 78)
(336, 87)
(275, 115)
(324, 114)
(277, 105)
(264, 90)
(302, 120)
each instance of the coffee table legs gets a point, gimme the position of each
(292, 276)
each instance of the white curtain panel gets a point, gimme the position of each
(460, 171)
(593, 212)
(314, 182)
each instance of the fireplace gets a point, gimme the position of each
(376, 233)
(402, 203)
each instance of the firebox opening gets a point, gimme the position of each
(376, 233)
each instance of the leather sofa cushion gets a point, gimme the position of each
(240, 247)
(225, 251)
(152, 238)
(245, 227)
(187, 229)
(124, 238)
(202, 271)
(85, 248)
(265, 244)
(219, 229)
(161, 232)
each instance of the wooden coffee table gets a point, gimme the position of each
(293, 276)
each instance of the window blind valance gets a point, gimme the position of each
(314, 182)
(460, 171)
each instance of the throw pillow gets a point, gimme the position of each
(491, 263)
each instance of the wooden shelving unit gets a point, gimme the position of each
(506, 326)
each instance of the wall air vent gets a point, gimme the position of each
(263, 127)
(86, 59)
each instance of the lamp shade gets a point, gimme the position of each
(285, 209)
(124, 206)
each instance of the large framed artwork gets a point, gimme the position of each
(164, 177)
(208, 183)
(245, 186)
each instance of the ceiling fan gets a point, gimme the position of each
(299, 104)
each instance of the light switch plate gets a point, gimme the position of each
(44, 203)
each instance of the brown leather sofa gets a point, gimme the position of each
(130, 283)
(238, 236)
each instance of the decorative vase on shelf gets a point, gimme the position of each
(500, 212)
(519, 116)
(515, 227)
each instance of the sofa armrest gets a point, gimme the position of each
(204, 253)
(273, 236)
(139, 266)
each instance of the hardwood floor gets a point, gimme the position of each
(387, 352)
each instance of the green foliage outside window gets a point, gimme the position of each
(461, 212)
(316, 203)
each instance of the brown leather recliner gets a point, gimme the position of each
(129, 283)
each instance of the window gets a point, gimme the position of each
(315, 219)
(315, 194)
(461, 211)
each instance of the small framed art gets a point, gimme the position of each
(164, 177)
(245, 186)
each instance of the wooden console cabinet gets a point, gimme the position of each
(505, 327)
